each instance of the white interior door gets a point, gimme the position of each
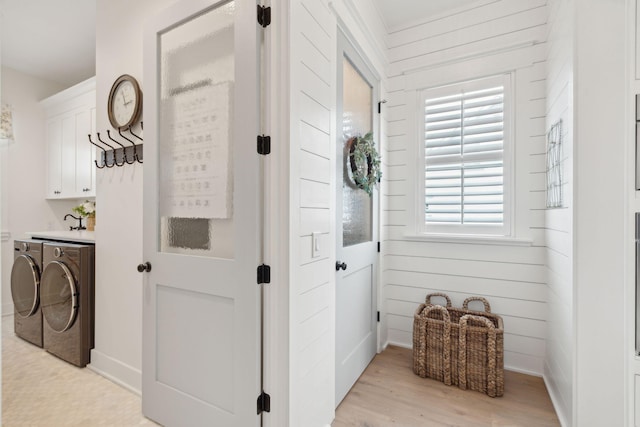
(202, 231)
(357, 226)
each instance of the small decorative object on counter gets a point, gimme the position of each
(87, 210)
(365, 162)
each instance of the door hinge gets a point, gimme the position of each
(378, 246)
(378, 316)
(264, 144)
(264, 16)
(264, 403)
(264, 274)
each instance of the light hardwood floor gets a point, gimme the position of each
(39, 389)
(389, 394)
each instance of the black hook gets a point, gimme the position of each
(134, 133)
(115, 161)
(103, 150)
(124, 151)
(135, 152)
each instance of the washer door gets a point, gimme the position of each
(25, 282)
(59, 296)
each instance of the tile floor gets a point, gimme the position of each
(38, 389)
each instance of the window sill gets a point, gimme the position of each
(469, 239)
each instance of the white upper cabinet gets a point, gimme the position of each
(70, 157)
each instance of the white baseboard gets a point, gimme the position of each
(554, 401)
(506, 367)
(398, 344)
(116, 371)
(523, 371)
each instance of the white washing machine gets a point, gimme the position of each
(25, 290)
(67, 296)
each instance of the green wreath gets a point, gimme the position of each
(365, 162)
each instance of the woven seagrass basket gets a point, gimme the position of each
(469, 354)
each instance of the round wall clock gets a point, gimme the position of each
(125, 102)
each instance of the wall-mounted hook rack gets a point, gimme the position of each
(118, 155)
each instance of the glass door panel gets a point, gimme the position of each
(197, 74)
(356, 121)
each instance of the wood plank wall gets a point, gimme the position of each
(314, 28)
(312, 291)
(558, 368)
(491, 38)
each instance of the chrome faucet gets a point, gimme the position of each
(79, 218)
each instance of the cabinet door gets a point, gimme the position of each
(84, 167)
(637, 50)
(637, 401)
(54, 157)
(68, 164)
(71, 171)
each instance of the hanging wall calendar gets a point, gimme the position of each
(199, 185)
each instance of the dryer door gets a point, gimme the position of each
(25, 281)
(59, 296)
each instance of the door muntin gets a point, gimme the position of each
(25, 284)
(59, 296)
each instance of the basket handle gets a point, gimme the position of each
(438, 294)
(419, 310)
(445, 313)
(446, 339)
(465, 322)
(487, 306)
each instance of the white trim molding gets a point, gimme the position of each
(5, 235)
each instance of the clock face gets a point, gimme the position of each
(125, 102)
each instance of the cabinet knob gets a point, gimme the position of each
(340, 266)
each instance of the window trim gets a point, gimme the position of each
(461, 232)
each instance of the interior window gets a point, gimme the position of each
(465, 141)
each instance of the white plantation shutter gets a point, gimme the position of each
(464, 154)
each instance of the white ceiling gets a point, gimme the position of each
(50, 39)
(399, 13)
(55, 39)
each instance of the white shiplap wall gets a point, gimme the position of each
(490, 38)
(558, 367)
(311, 164)
(313, 29)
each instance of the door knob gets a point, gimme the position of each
(340, 266)
(144, 267)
